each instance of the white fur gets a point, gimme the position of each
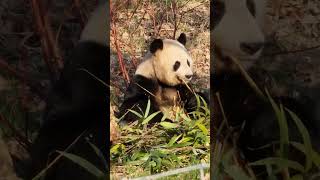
(237, 26)
(160, 65)
(146, 67)
(96, 29)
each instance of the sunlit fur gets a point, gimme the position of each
(96, 29)
(160, 79)
(160, 65)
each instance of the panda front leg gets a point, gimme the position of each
(139, 105)
(190, 98)
(139, 92)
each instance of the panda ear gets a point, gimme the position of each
(156, 45)
(182, 39)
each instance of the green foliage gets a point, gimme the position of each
(146, 148)
(223, 164)
(282, 163)
(84, 163)
(274, 165)
(282, 121)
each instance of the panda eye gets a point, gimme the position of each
(176, 65)
(218, 12)
(251, 7)
(188, 63)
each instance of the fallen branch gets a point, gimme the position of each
(51, 52)
(120, 59)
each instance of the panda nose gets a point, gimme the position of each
(251, 48)
(189, 76)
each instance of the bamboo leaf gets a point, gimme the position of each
(280, 162)
(168, 125)
(149, 118)
(136, 113)
(173, 140)
(283, 126)
(315, 155)
(99, 153)
(147, 109)
(306, 139)
(83, 163)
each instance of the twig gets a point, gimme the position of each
(184, 12)
(160, 26)
(56, 55)
(174, 9)
(133, 58)
(183, 5)
(139, 23)
(48, 43)
(134, 11)
(120, 59)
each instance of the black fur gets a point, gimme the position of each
(182, 39)
(217, 14)
(136, 98)
(156, 45)
(140, 90)
(78, 103)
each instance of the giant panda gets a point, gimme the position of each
(237, 32)
(77, 108)
(237, 28)
(163, 78)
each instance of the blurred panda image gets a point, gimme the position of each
(237, 32)
(77, 108)
(237, 28)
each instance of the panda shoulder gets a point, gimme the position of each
(96, 29)
(146, 68)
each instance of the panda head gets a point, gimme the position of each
(171, 61)
(237, 27)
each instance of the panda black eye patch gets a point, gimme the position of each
(218, 12)
(188, 63)
(176, 65)
(251, 7)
